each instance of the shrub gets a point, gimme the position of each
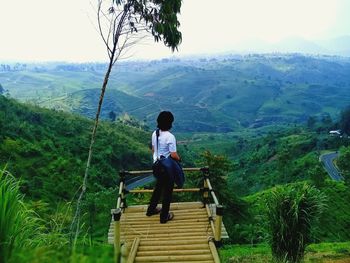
(292, 211)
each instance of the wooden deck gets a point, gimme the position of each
(186, 238)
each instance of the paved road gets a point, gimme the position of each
(138, 181)
(327, 160)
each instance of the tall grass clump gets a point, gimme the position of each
(292, 211)
(17, 224)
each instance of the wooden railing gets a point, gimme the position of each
(209, 197)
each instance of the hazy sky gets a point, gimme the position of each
(60, 30)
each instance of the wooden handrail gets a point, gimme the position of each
(175, 190)
(120, 194)
(211, 219)
(140, 172)
(213, 195)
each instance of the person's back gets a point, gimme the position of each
(163, 145)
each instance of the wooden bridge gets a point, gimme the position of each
(192, 236)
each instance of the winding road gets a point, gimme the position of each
(327, 160)
(137, 181)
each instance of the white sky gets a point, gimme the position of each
(44, 30)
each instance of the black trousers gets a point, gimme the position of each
(164, 186)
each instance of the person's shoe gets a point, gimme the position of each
(170, 217)
(154, 212)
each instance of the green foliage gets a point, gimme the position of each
(311, 121)
(234, 207)
(42, 236)
(344, 122)
(334, 223)
(160, 18)
(321, 252)
(291, 214)
(18, 224)
(318, 175)
(48, 149)
(344, 163)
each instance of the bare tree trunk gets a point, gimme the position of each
(76, 219)
(114, 54)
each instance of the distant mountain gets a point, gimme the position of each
(299, 45)
(339, 46)
(207, 94)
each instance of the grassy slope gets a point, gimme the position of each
(324, 252)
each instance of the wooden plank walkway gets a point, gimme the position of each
(183, 239)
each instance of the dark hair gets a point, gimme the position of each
(165, 120)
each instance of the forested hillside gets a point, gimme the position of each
(47, 150)
(220, 94)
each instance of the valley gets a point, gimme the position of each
(214, 94)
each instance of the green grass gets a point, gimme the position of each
(19, 225)
(322, 252)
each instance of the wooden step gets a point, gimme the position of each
(156, 239)
(173, 252)
(147, 247)
(173, 206)
(171, 258)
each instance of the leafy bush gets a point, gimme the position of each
(291, 213)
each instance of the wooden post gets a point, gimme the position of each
(133, 251)
(122, 175)
(214, 252)
(116, 213)
(205, 172)
(218, 223)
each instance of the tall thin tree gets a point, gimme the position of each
(122, 24)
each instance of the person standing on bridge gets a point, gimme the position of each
(163, 146)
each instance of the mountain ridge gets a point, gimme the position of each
(208, 94)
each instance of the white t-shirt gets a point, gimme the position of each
(166, 142)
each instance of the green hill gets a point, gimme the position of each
(48, 150)
(215, 94)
